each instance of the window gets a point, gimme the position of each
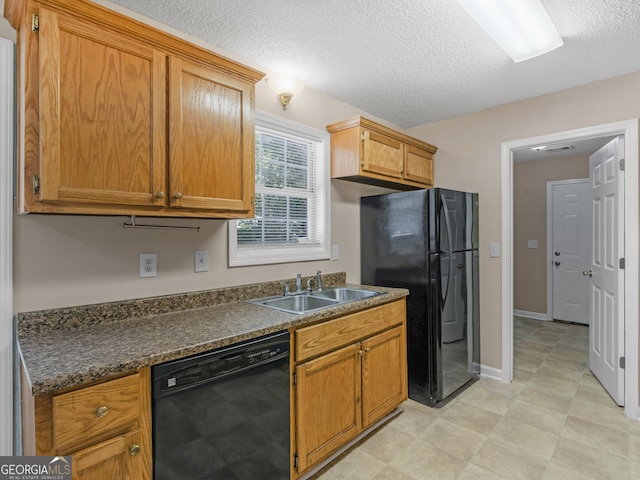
(291, 221)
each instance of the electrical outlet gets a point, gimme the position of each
(201, 259)
(494, 250)
(148, 265)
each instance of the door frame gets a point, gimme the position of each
(628, 128)
(7, 49)
(550, 186)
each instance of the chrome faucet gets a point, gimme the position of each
(319, 281)
(286, 289)
(309, 280)
(298, 283)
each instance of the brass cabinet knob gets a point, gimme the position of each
(360, 352)
(367, 350)
(135, 450)
(160, 194)
(177, 195)
(102, 411)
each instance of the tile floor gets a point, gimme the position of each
(554, 421)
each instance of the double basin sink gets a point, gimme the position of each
(309, 302)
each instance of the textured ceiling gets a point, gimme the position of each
(409, 62)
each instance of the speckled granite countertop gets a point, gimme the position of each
(67, 347)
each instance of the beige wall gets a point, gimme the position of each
(69, 260)
(530, 223)
(469, 158)
(62, 260)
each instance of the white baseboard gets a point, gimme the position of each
(532, 315)
(492, 373)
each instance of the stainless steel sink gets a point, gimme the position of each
(344, 294)
(298, 303)
(309, 302)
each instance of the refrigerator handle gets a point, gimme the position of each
(447, 221)
(445, 210)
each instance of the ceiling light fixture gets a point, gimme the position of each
(522, 28)
(285, 88)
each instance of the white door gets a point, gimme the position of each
(570, 249)
(606, 332)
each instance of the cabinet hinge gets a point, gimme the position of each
(35, 23)
(622, 164)
(35, 182)
(295, 462)
(295, 378)
(362, 137)
(622, 362)
(622, 263)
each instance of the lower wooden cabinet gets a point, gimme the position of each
(116, 458)
(105, 427)
(356, 375)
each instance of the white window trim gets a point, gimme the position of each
(265, 255)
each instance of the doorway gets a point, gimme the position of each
(629, 129)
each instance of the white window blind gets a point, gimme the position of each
(291, 208)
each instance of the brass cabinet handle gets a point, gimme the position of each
(102, 411)
(360, 352)
(367, 350)
(177, 195)
(160, 194)
(135, 450)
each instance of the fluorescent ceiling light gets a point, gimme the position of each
(522, 28)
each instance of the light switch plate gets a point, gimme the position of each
(494, 250)
(335, 252)
(532, 244)
(201, 259)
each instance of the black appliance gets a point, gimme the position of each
(427, 241)
(224, 414)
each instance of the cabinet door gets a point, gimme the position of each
(382, 155)
(328, 410)
(384, 374)
(102, 115)
(114, 459)
(211, 139)
(418, 165)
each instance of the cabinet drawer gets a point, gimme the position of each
(324, 337)
(84, 416)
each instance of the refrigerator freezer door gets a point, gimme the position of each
(453, 220)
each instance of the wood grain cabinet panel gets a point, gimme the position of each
(104, 427)
(119, 118)
(383, 374)
(116, 458)
(328, 404)
(211, 139)
(101, 113)
(366, 152)
(350, 373)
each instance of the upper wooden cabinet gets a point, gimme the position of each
(117, 117)
(367, 152)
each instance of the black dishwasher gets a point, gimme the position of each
(224, 414)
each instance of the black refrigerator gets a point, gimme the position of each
(427, 241)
